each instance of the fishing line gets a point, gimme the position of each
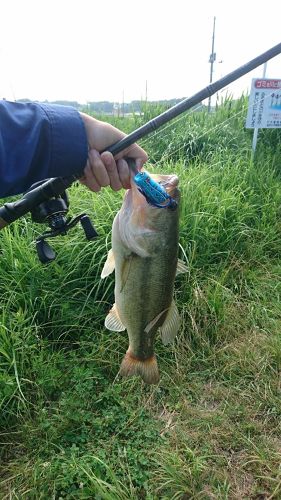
(190, 113)
(168, 125)
(146, 141)
(217, 127)
(172, 123)
(184, 116)
(176, 120)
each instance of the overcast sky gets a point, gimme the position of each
(88, 50)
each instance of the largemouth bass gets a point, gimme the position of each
(144, 255)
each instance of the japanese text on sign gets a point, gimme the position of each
(264, 109)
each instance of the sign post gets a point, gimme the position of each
(256, 131)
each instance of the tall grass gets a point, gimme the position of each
(211, 428)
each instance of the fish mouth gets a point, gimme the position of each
(169, 182)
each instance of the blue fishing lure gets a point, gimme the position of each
(154, 192)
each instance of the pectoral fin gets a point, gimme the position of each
(109, 265)
(171, 325)
(181, 267)
(125, 271)
(113, 321)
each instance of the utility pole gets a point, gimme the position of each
(212, 60)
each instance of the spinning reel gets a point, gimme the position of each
(53, 212)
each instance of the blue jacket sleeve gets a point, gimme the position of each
(38, 141)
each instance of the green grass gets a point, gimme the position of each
(211, 428)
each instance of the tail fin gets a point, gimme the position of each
(147, 370)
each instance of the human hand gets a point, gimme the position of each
(102, 169)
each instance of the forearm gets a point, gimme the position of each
(39, 141)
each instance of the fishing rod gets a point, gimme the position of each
(47, 200)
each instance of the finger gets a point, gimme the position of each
(112, 171)
(140, 163)
(98, 168)
(89, 179)
(135, 152)
(124, 173)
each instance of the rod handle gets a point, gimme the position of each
(13, 211)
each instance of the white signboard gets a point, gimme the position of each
(264, 109)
